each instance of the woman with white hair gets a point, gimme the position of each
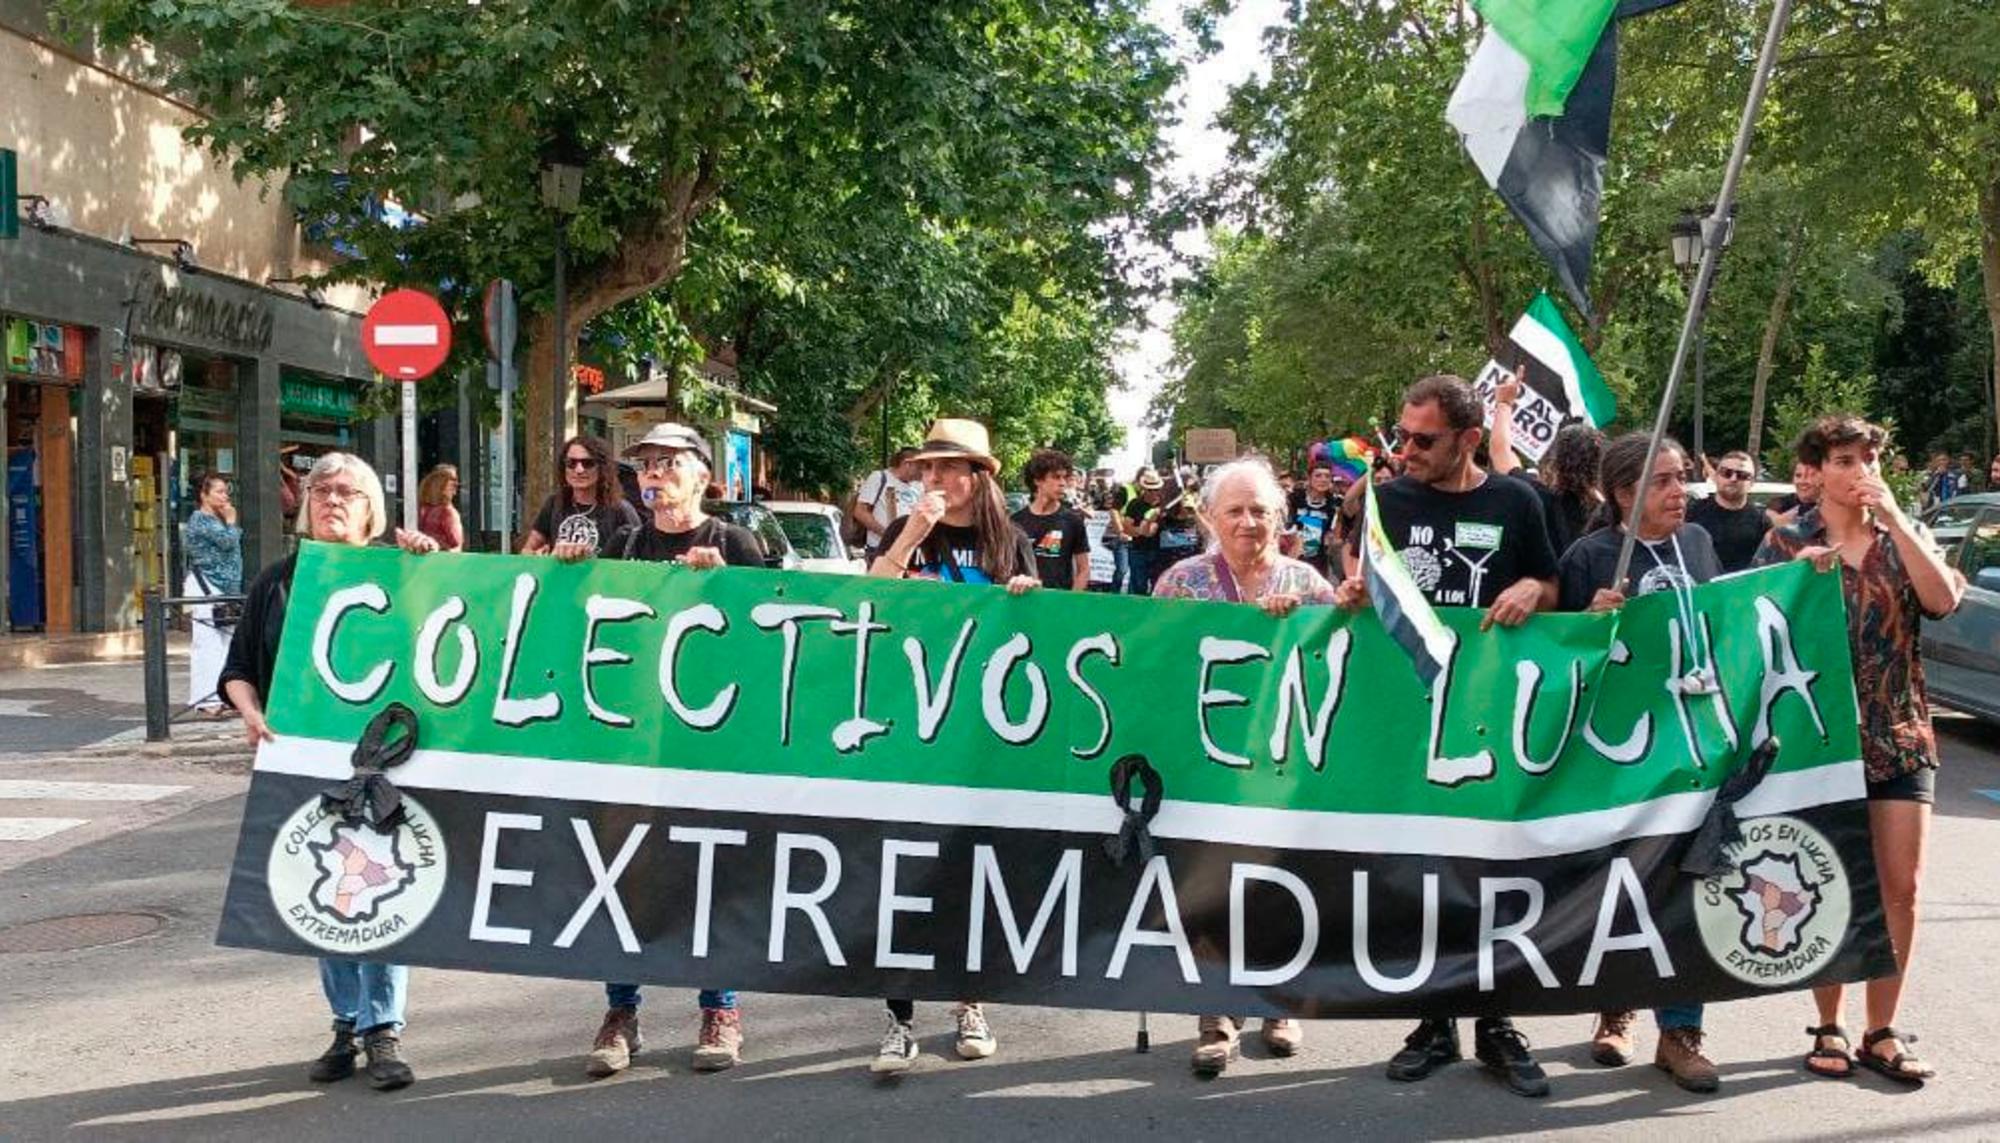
(342, 504)
(1244, 508)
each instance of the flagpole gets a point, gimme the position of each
(1711, 257)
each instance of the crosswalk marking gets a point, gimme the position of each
(28, 790)
(35, 829)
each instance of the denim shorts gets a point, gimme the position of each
(1916, 786)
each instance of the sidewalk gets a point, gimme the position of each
(62, 707)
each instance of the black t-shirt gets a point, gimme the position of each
(1137, 511)
(1179, 536)
(576, 524)
(1056, 538)
(1683, 559)
(1465, 548)
(1736, 531)
(951, 552)
(1565, 512)
(739, 546)
(1314, 520)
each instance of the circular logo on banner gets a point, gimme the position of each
(1779, 912)
(349, 888)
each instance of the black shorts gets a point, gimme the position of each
(1915, 786)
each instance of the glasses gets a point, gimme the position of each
(580, 463)
(334, 493)
(662, 465)
(1732, 474)
(1400, 439)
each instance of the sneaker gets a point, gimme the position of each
(720, 1045)
(1680, 1056)
(1283, 1037)
(337, 1062)
(1216, 1044)
(975, 1039)
(898, 1050)
(617, 1040)
(386, 1069)
(1611, 1043)
(1433, 1045)
(1504, 1051)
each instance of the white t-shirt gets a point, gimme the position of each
(888, 499)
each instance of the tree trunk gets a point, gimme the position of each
(1989, 266)
(650, 254)
(1767, 352)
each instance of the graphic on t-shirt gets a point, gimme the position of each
(1050, 545)
(967, 571)
(1431, 557)
(1312, 524)
(1664, 577)
(1179, 538)
(579, 528)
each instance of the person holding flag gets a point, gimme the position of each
(1454, 536)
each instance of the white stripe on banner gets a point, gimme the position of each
(1314, 830)
(406, 335)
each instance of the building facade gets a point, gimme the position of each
(146, 343)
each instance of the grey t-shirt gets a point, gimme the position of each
(1684, 558)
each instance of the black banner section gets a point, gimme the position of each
(822, 906)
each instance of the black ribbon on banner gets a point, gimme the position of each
(1132, 833)
(1721, 829)
(369, 796)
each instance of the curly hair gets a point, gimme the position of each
(608, 491)
(1836, 430)
(1572, 460)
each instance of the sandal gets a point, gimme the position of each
(1839, 1061)
(1903, 1067)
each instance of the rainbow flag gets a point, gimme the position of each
(1351, 457)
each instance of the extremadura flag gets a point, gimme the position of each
(811, 784)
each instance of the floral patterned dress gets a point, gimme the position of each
(1207, 577)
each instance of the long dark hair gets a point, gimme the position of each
(993, 528)
(609, 493)
(1624, 466)
(1573, 460)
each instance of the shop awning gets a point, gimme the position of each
(655, 392)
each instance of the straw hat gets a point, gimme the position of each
(952, 438)
(1149, 480)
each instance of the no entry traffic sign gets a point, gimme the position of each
(406, 335)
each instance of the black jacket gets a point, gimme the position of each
(253, 651)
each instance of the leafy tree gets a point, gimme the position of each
(782, 113)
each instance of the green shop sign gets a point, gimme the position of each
(324, 400)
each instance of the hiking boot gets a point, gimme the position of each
(617, 1040)
(1283, 1037)
(898, 1050)
(975, 1039)
(337, 1062)
(1216, 1044)
(720, 1045)
(1504, 1051)
(1611, 1044)
(1433, 1045)
(1680, 1056)
(386, 1069)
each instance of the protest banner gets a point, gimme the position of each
(835, 786)
(1103, 564)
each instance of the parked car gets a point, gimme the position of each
(778, 551)
(814, 530)
(1962, 653)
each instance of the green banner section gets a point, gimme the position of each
(742, 670)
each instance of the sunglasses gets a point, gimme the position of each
(1732, 474)
(663, 465)
(1400, 440)
(580, 463)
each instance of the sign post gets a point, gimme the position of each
(500, 328)
(406, 336)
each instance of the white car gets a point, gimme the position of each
(814, 530)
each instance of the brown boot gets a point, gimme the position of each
(617, 1038)
(1216, 1044)
(1611, 1044)
(1679, 1055)
(720, 1045)
(1283, 1037)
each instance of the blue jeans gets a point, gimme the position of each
(1139, 571)
(1678, 1016)
(364, 994)
(627, 996)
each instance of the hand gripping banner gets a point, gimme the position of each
(811, 784)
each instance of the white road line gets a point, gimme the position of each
(35, 829)
(23, 789)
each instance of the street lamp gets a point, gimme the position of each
(1688, 239)
(562, 191)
